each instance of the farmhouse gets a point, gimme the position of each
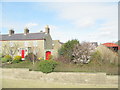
(41, 43)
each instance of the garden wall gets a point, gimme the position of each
(63, 77)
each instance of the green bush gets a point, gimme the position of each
(0, 57)
(17, 59)
(67, 49)
(107, 55)
(6, 58)
(47, 66)
(96, 56)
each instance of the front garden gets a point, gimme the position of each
(70, 60)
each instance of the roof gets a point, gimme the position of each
(29, 36)
(110, 45)
(58, 41)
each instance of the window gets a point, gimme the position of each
(11, 44)
(26, 43)
(35, 43)
(29, 50)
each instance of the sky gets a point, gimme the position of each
(85, 21)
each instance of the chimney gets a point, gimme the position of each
(47, 29)
(11, 32)
(41, 31)
(26, 31)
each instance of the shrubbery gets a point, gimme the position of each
(47, 66)
(0, 57)
(31, 57)
(107, 55)
(17, 59)
(6, 58)
(96, 56)
(67, 49)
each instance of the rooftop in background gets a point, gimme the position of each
(110, 45)
(26, 35)
(29, 36)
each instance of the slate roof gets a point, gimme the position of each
(29, 36)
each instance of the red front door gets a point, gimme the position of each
(48, 54)
(23, 54)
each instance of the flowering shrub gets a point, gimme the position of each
(6, 58)
(17, 59)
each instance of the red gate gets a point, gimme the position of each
(48, 55)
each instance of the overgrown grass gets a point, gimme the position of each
(108, 55)
(91, 67)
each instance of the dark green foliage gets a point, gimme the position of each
(47, 66)
(6, 58)
(31, 57)
(17, 59)
(91, 67)
(67, 49)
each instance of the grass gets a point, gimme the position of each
(91, 67)
(110, 69)
(23, 64)
(22, 83)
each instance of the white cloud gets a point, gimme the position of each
(85, 22)
(29, 25)
(84, 15)
(19, 27)
(108, 32)
(81, 15)
(89, 15)
(57, 33)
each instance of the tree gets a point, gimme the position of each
(36, 50)
(67, 49)
(35, 53)
(10, 49)
(82, 52)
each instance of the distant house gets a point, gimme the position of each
(39, 43)
(94, 44)
(112, 46)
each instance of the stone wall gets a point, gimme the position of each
(63, 77)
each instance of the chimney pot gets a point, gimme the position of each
(26, 31)
(11, 32)
(47, 29)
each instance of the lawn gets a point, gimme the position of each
(110, 69)
(23, 64)
(61, 67)
(22, 83)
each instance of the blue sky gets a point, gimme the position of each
(93, 21)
